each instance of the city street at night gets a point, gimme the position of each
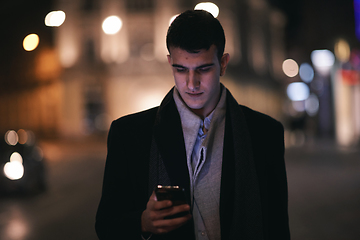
(323, 194)
(69, 68)
(67, 210)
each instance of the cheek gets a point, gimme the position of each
(211, 80)
(179, 79)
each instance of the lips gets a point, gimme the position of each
(191, 94)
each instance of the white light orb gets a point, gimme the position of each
(112, 25)
(298, 91)
(323, 60)
(172, 19)
(209, 7)
(55, 18)
(14, 170)
(16, 157)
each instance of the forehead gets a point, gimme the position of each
(179, 54)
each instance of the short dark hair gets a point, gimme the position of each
(193, 30)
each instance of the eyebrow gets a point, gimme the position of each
(198, 67)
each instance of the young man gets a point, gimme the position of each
(227, 157)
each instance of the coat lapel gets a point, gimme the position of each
(170, 142)
(240, 207)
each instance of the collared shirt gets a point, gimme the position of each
(197, 156)
(204, 159)
(197, 162)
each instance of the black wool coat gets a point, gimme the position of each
(253, 149)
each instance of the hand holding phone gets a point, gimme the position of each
(173, 193)
(161, 217)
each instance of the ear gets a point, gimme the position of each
(223, 63)
(169, 59)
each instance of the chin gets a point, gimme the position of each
(194, 106)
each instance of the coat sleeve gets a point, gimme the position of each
(276, 193)
(124, 193)
(268, 149)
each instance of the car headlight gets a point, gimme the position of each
(14, 169)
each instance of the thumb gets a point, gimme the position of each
(153, 196)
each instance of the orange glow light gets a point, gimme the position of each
(31, 42)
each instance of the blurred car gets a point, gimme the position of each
(22, 166)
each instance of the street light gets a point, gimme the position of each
(31, 42)
(290, 67)
(209, 7)
(298, 91)
(172, 19)
(112, 25)
(323, 60)
(342, 50)
(55, 18)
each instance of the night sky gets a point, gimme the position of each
(317, 24)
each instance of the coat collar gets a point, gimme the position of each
(170, 142)
(240, 193)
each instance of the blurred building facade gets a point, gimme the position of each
(92, 77)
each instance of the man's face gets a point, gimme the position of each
(197, 77)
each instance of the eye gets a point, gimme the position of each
(180, 70)
(204, 69)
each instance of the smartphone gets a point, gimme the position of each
(175, 194)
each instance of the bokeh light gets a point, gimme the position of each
(16, 157)
(306, 72)
(209, 7)
(23, 136)
(298, 106)
(172, 19)
(55, 18)
(357, 18)
(16, 228)
(112, 25)
(298, 91)
(31, 42)
(323, 60)
(342, 50)
(290, 67)
(312, 105)
(14, 170)
(11, 138)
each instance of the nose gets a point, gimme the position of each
(193, 82)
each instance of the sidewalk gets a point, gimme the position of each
(324, 195)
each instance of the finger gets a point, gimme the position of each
(159, 205)
(181, 208)
(153, 196)
(174, 210)
(155, 205)
(171, 224)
